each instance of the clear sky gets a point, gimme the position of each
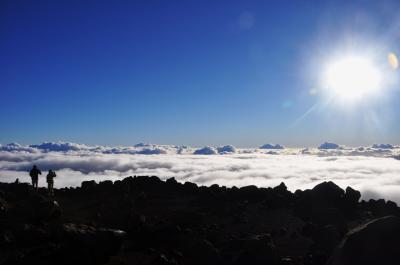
(192, 72)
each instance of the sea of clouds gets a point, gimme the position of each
(375, 170)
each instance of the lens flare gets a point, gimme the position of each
(393, 60)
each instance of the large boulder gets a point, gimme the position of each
(328, 192)
(352, 196)
(376, 242)
(190, 187)
(251, 193)
(105, 185)
(380, 208)
(322, 204)
(88, 185)
(350, 203)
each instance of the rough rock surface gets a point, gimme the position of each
(144, 220)
(376, 242)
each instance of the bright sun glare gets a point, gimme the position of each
(352, 78)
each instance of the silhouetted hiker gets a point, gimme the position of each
(34, 173)
(50, 181)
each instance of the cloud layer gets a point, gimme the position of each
(372, 170)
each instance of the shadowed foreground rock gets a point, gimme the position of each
(376, 242)
(143, 220)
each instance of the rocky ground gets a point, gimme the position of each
(143, 220)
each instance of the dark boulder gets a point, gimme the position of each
(326, 216)
(328, 192)
(199, 252)
(162, 259)
(83, 244)
(350, 203)
(326, 238)
(28, 234)
(172, 223)
(171, 181)
(322, 205)
(380, 208)
(37, 208)
(6, 238)
(249, 193)
(3, 207)
(128, 180)
(146, 181)
(106, 185)
(173, 187)
(167, 235)
(376, 242)
(88, 185)
(287, 261)
(214, 188)
(190, 187)
(281, 188)
(48, 209)
(257, 250)
(391, 208)
(352, 196)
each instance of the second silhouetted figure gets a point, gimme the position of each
(34, 173)
(50, 182)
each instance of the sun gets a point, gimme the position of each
(352, 78)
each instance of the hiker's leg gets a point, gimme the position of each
(50, 187)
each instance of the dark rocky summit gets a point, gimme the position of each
(143, 220)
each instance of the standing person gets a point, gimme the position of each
(50, 182)
(34, 173)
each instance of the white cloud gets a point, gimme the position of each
(368, 169)
(60, 146)
(17, 147)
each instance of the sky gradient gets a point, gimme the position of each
(190, 72)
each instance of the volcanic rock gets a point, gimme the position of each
(376, 242)
(167, 222)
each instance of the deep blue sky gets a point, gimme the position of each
(188, 72)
